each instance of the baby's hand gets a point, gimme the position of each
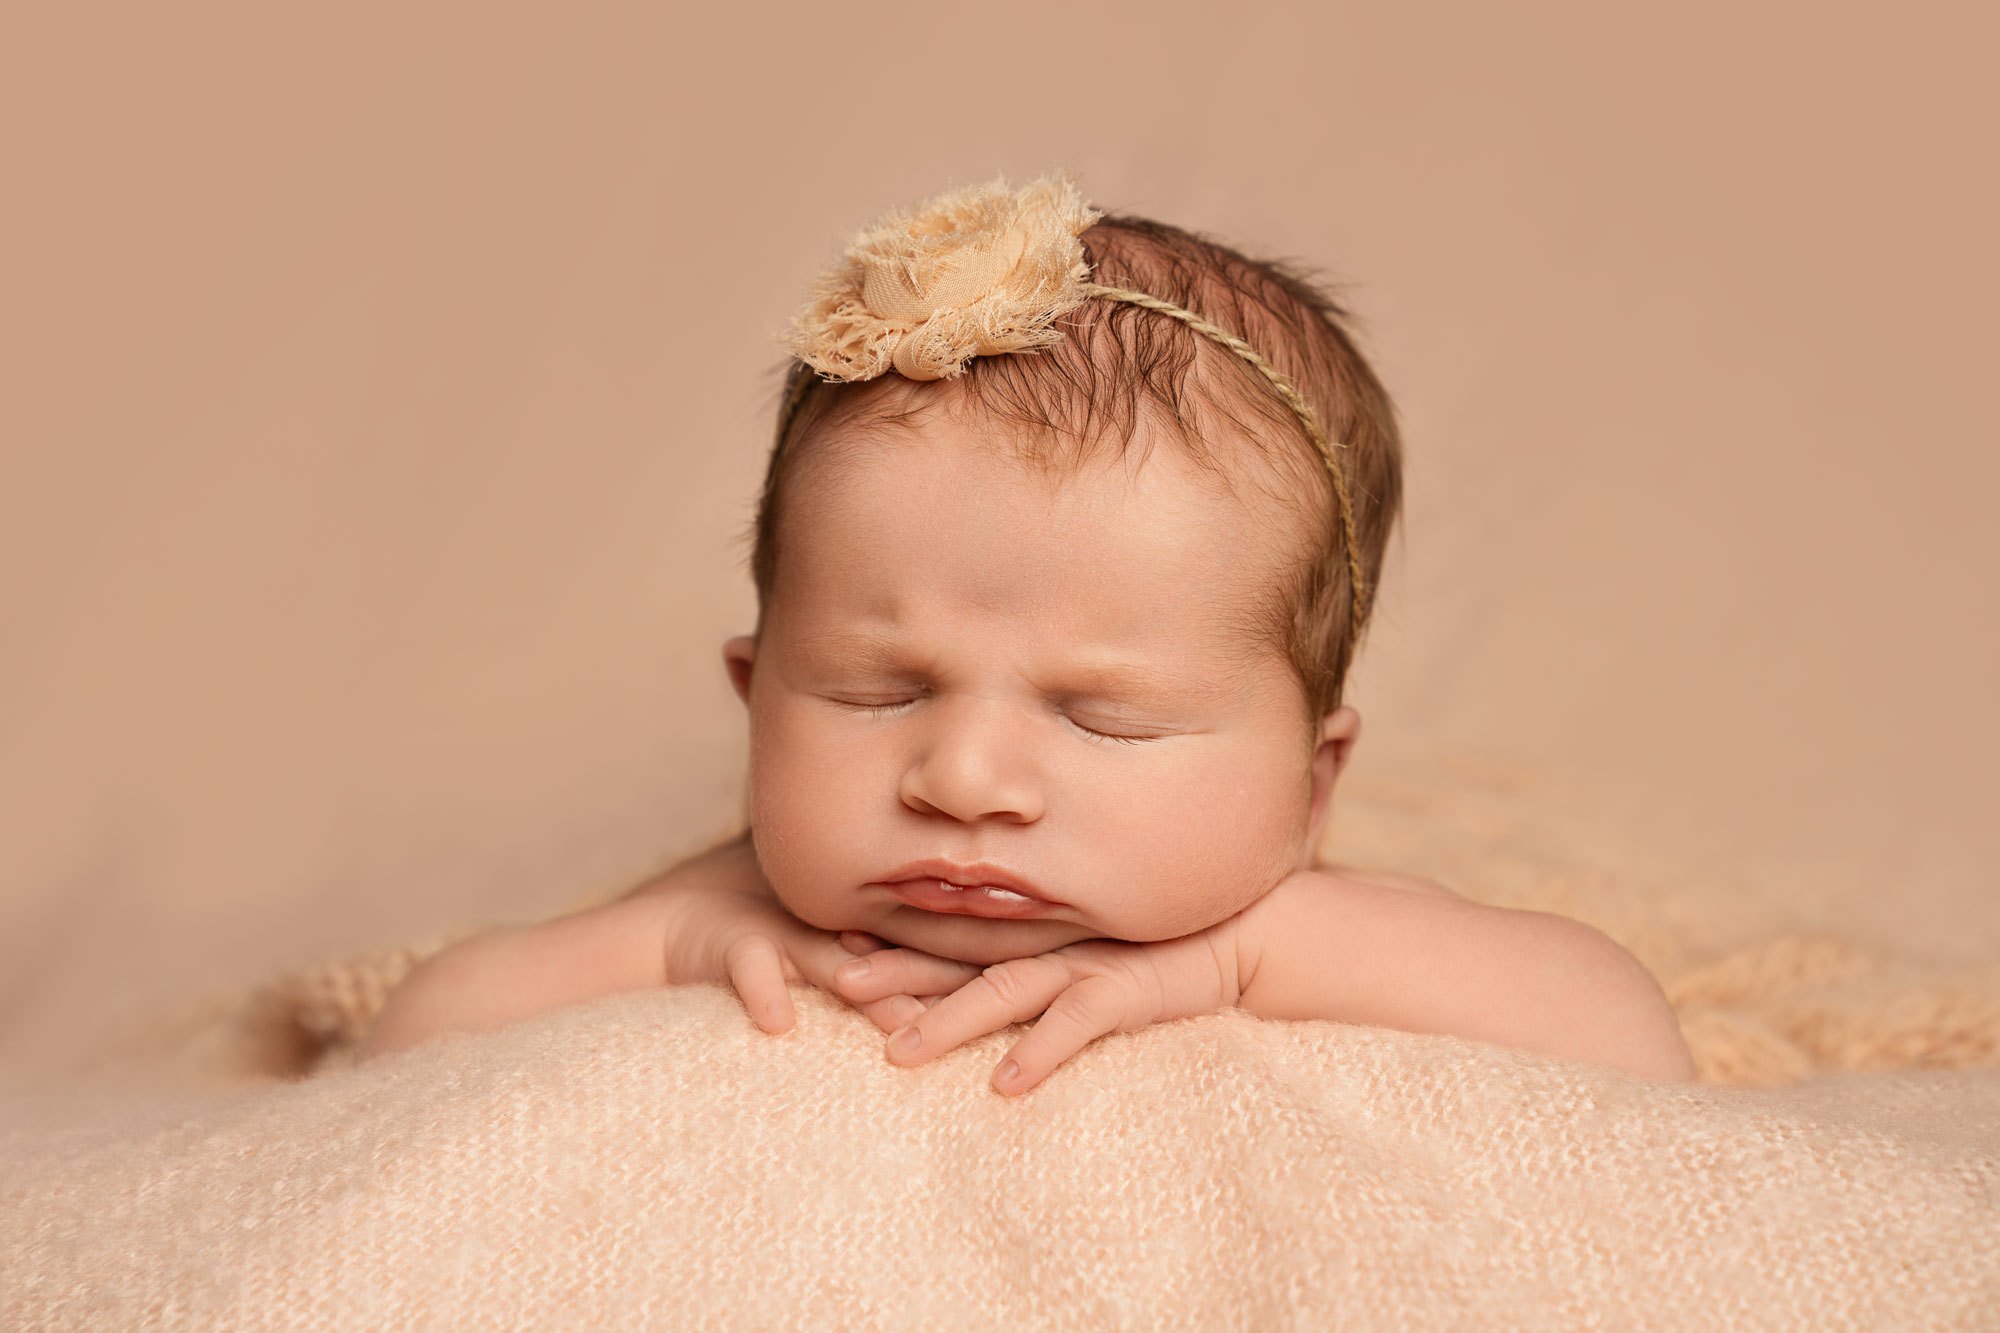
(724, 924)
(710, 919)
(1081, 991)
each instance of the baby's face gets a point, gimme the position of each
(993, 712)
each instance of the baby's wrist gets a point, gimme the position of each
(1247, 932)
(1263, 930)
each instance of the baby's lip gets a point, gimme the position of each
(979, 874)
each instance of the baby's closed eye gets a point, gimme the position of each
(876, 707)
(1094, 721)
(1120, 731)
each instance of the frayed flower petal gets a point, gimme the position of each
(981, 271)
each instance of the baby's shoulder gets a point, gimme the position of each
(1390, 879)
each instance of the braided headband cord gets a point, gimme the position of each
(1359, 593)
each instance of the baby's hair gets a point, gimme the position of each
(1119, 365)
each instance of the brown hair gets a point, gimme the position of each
(1119, 364)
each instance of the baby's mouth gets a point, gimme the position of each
(968, 891)
(937, 895)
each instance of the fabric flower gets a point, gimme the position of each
(977, 272)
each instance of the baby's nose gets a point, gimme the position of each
(974, 762)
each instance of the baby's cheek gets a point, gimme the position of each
(792, 849)
(1204, 863)
(807, 845)
(800, 881)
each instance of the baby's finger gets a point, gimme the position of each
(1076, 1018)
(860, 941)
(1010, 992)
(897, 1011)
(900, 972)
(756, 971)
(819, 955)
(894, 1013)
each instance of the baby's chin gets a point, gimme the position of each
(981, 941)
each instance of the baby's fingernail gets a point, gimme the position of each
(906, 1010)
(852, 970)
(1005, 1077)
(906, 1042)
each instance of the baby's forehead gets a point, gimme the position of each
(1236, 462)
(981, 511)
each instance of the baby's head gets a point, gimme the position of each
(1067, 628)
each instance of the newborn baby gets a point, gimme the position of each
(1067, 542)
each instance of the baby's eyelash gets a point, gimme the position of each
(898, 705)
(873, 710)
(1097, 735)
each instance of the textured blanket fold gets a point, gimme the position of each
(652, 1161)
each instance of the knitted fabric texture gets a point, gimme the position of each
(653, 1161)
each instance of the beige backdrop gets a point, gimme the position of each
(384, 389)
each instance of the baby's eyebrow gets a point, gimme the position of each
(849, 649)
(1102, 680)
(1114, 681)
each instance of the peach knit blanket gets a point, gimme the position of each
(652, 1161)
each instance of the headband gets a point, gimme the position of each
(985, 271)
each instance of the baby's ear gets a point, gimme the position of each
(1338, 731)
(739, 655)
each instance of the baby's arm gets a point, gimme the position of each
(503, 976)
(1324, 945)
(1356, 947)
(710, 919)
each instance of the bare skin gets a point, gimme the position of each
(1070, 791)
(1408, 953)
